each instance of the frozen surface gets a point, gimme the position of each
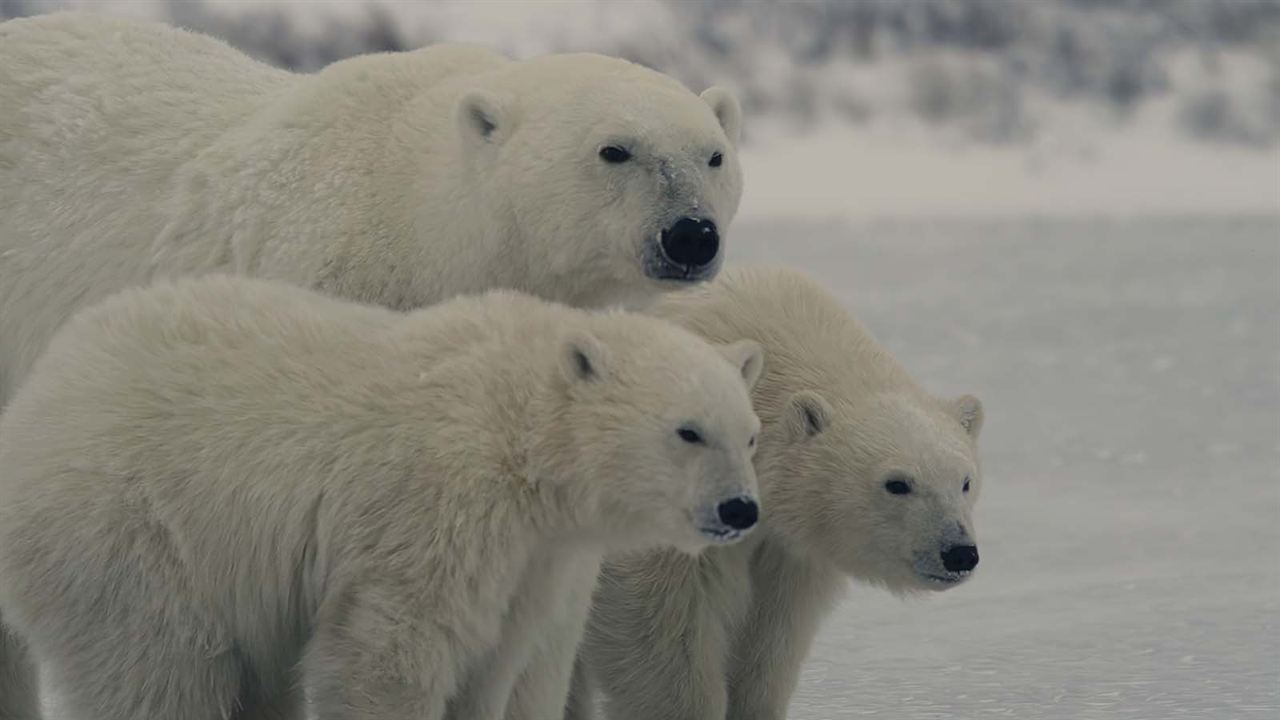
(1086, 168)
(1130, 520)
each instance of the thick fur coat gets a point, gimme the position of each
(863, 474)
(131, 151)
(221, 495)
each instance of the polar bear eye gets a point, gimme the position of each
(716, 160)
(966, 484)
(614, 154)
(752, 441)
(689, 435)
(897, 486)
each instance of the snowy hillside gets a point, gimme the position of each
(887, 107)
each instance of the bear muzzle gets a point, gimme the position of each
(688, 251)
(960, 558)
(733, 519)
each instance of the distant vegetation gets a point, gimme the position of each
(994, 70)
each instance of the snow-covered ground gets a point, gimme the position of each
(1130, 520)
(904, 169)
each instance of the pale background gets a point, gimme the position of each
(1071, 209)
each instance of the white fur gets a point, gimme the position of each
(538, 645)
(131, 151)
(724, 635)
(219, 495)
(19, 687)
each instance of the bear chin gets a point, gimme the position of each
(673, 275)
(903, 578)
(942, 581)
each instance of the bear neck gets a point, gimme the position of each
(550, 464)
(479, 231)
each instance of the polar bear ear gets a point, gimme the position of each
(968, 410)
(727, 110)
(748, 357)
(806, 414)
(583, 358)
(482, 116)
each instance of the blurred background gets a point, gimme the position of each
(1068, 207)
(885, 107)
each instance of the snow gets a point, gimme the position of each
(1130, 371)
(848, 171)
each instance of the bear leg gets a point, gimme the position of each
(363, 663)
(115, 625)
(289, 705)
(581, 704)
(155, 683)
(19, 686)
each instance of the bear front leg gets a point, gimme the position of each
(288, 705)
(375, 658)
(657, 649)
(789, 599)
(19, 687)
(526, 676)
(581, 704)
(688, 684)
(543, 689)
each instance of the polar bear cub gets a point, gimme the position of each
(134, 151)
(863, 475)
(216, 489)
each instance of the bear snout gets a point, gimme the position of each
(740, 513)
(691, 243)
(960, 558)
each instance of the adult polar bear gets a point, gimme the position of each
(134, 150)
(130, 151)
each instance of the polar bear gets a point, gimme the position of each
(862, 474)
(131, 151)
(207, 486)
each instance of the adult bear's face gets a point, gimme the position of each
(616, 186)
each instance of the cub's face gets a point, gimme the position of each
(886, 493)
(665, 435)
(619, 188)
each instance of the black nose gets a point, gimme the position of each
(691, 242)
(739, 513)
(960, 558)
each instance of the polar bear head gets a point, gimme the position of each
(611, 182)
(893, 478)
(859, 468)
(654, 430)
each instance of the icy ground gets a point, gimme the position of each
(1087, 168)
(1130, 518)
